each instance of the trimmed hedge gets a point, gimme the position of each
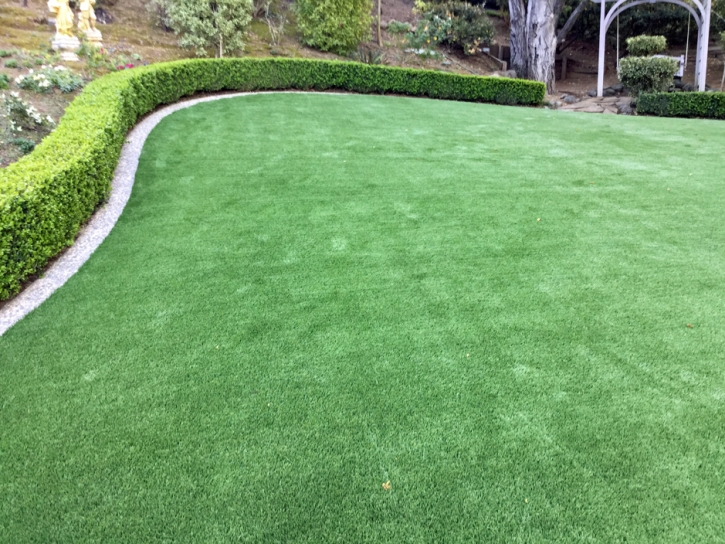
(646, 74)
(46, 196)
(707, 105)
(644, 46)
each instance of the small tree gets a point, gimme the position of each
(334, 25)
(202, 24)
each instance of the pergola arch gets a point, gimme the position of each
(700, 12)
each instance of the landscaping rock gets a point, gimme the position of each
(624, 109)
(103, 16)
(608, 91)
(592, 108)
(570, 99)
(446, 63)
(592, 93)
(618, 88)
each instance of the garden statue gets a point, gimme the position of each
(87, 22)
(64, 40)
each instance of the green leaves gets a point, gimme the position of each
(220, 24)
(646, 74)
(707, 105)
(334, 25)
(644, 46)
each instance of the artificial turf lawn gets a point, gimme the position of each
(309, 296)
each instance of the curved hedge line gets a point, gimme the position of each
(46, 196)
(708, 105)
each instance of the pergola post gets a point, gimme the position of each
(602, 45)
(702, 47)
(700, 12)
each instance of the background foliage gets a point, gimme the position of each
(334, 25)
(219, 24)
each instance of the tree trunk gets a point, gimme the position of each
(573, 18)
(519, 43)
(380, 13)
(541, 30)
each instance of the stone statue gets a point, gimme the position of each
(63, 17)
(87, 22)
(64, 40)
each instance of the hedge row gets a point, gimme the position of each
(46, 196)
(706, 105)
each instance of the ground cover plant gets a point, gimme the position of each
(317, 322)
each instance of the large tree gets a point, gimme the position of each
(533, 38)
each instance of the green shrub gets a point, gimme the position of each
(707, 104)
(220, 25)
(5, 53)
(646, 46)
(12, 63)
(23, 116)
(368, 56)
(334, 25)
(453, 23)
(25, 145)
(4, 81)
(396, 27)
(46, 196)
(45, 80)
(646, 74)
(471, 27)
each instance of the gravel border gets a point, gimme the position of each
(102, 221)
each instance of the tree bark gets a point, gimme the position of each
(571, 21)
(541, 27)
(519, 42)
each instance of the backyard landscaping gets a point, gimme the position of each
(347, 318)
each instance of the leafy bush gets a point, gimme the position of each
(220, 25)
(396, 27)
(4, 81)
(706, 104)
(50, 77)
(646, 46)
(334, 25)
(368, 56)
(431, 31)
(5, 53)
(25, 145)
(647, 74)
(47, 195)
(472, 27)
(12, 63)
(454, 23)
(23, 116)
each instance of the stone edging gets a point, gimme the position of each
(100, 224)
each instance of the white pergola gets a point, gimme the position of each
(700, 11)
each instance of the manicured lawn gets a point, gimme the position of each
(514, 316)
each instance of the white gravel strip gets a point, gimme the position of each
(100, 224)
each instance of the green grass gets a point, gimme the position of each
(311, 295)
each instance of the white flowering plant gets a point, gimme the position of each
(48, 78)
(23, 116)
